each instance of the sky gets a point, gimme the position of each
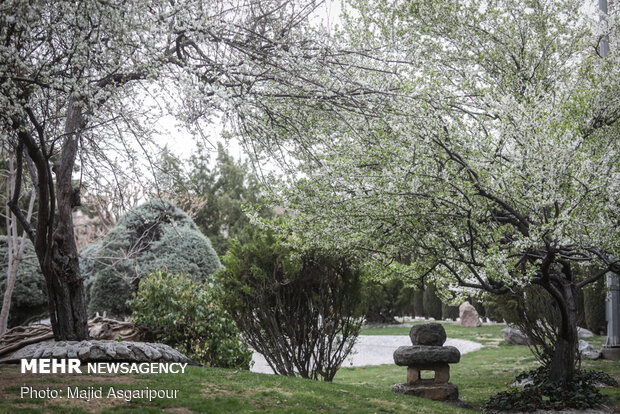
(182, 143)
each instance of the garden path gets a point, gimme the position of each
(374, 350)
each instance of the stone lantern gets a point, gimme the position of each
(427, 353)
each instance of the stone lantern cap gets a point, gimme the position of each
(425, 355)
(428, 334)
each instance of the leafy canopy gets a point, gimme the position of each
(483, 140)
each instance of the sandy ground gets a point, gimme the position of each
(374, 350)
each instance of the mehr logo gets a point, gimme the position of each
(72, 366)
(51, 366)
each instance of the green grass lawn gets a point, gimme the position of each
(354, 390)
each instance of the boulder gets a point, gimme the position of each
(584, 333)
(426, 355)
(513, 336)
(428, 334)
(468, 315)
(588, 351)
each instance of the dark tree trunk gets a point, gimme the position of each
(66, 302)
(66, 298)
(54, 239)
(65, 290)
(562, 364)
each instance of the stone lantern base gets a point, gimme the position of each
(438, 392)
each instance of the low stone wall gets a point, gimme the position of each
(99, 351)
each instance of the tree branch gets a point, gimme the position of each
(14, 202)
(594, 278)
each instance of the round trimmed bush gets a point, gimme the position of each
(154, 236)
(30, 294)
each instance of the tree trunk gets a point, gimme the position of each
(8, 293)
(562, 365)
(54, 240)
(67, 301)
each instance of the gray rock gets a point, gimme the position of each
(588, 351)
(147, 351)
(97, 354)
(523, 382)
(584, 333)
(83, 352)
(165, 355)
(122, 352)
(138, 353)
(59, 352)
(72, 351)
(155, 354)
(513, 336)
(39, 352)
(423, 355)
(428, 334)
(109, 350)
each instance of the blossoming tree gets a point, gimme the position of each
(482, 144)
(73, 82)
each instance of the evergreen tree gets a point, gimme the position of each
(213, 192)
(432, 303)
(154, 236)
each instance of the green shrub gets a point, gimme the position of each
(534, 312)
(378, 303)
(404, 301)
(187, 316)
(300, 310)
(154, 236)
(581, 393)
(432, 303)
(594, 306)
(491, 312)
(386, 300)
(30, 294)
(479, 306)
